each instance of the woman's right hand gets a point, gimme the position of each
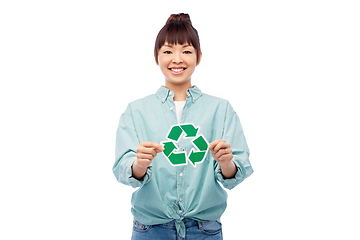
(145, 153)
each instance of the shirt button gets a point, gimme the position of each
(163, 99)
(170, 93)
(171, 108)
(181, 174)
(180, 199)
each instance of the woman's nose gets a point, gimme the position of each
(177, 59)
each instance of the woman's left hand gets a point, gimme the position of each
(221, 152)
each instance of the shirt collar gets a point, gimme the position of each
(163, 93)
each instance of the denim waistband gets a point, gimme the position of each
(188, 222)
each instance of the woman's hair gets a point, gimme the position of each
(178, 30)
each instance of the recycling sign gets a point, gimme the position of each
(172, 152)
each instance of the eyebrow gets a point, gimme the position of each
(171, 45)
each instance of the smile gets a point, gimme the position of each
(177, 70)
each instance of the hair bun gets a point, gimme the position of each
(183, 17)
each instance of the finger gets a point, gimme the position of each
(143, 162)
(214, 143)
(158, 148)
(218, 146)
(224, 151)
(220, 153)
(148, 151)
(150, 144)
(144, 156)
(221, 145)
(226, 157)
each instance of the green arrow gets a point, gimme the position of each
(200, 143)
(169, 147)
(190, 130)
(196, 156)
(175, 133)
(177, 158)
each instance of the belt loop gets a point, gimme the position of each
(200, 225)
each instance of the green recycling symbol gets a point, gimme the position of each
(176, 157)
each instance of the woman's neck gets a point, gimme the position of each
(179, 90)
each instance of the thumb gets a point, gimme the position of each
(159, 148)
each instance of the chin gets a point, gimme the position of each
(178, 82)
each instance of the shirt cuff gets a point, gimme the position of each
(229, 183)
(132, 181)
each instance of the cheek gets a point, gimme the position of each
(192, 65)
(163, 67)
(163, 61)
(192, 61)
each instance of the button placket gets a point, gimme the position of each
(180, 185)
(184, 111)
(170, 106)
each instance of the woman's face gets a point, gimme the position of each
(177, 63)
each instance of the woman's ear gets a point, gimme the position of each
(199, 59)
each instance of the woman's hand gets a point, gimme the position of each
(222, 153)
(145, 153)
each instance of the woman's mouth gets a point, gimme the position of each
(177, 71)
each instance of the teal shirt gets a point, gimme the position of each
(191, 189)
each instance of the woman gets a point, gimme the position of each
(162, 147)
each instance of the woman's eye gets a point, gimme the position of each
(187, 52)
(167, 52)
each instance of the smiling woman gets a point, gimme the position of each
(177, 199)
(178, 30)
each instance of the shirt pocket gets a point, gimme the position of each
(141, 228)
(210, 228)
(210, 132)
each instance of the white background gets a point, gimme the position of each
(69, 68)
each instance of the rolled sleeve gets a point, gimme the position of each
(243, 171)
(233, 134)
(125, 152)
(130, 180)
